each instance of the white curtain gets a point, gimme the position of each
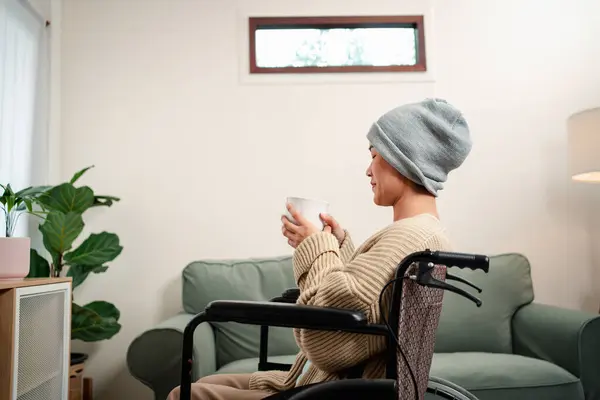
(24, 73)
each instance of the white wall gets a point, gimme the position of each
(155, 94)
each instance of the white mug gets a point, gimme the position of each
(309, 208)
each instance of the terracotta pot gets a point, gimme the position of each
(14, 257)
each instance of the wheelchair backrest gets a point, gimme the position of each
(414, 316)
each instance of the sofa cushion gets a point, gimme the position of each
(466, 327)
(253, 280)
(501, 376)
(249, 365)
(505, 288)
(488, 376)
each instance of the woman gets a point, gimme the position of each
(413, 148)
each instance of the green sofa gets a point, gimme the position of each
(511, 347)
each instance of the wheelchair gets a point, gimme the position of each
(414, 309)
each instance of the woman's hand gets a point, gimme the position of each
(297, 232)
(336, 229)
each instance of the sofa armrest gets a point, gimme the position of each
(567, 338)
(154, 357)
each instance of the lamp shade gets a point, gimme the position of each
(584, 145)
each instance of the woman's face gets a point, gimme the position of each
(387, 183)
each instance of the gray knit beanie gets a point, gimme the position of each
(424, 141)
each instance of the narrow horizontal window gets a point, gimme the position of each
(337, 44)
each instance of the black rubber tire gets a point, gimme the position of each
(377, 389)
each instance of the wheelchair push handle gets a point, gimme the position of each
(461, 260)
(424, 278)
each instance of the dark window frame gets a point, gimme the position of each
(414, 21)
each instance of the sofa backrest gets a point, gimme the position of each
(253, 280)
(465, 327)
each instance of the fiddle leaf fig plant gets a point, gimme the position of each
(62, 225)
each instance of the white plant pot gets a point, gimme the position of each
(14, 257)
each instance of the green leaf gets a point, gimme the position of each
(59, 230)
(10, 203)
(97, 249)
(38, 266)
(8, 191)
(32, 191)
(104, 309)
(66, 198)
(29, 205)
(79, 273)
(105, 201)
(95, 321)
(79, 173)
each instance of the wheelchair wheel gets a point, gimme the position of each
(439, 388)
(361, 389)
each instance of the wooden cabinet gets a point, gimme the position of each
(80, 387)
(35, 335)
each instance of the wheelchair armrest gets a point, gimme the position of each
(289, 296)
(289, 316)
(292, 293)
(271, 314)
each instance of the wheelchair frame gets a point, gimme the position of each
(283, 312)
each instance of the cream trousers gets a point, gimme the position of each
(222, 387)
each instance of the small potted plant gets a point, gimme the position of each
(15, 251)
